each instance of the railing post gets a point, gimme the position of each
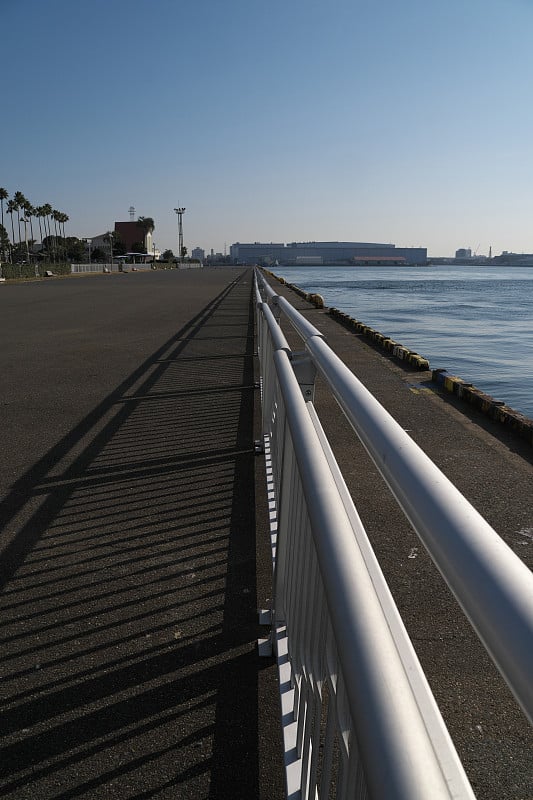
(305, 372)
(275, 308)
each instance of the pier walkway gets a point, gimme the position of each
(134, 548)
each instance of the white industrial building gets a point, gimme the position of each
(361, 253)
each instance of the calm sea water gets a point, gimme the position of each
(477, 323)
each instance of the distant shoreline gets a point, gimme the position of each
(437, 262)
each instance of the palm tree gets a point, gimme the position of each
(39, 213)
(11, 208)
(64, 218)
(3, 196)
(56, 216)
(4, 244)
(30, 213)
(61, 219)
(147, 225)
(20, 200)
(47, 210)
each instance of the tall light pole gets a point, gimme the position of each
(180, 212)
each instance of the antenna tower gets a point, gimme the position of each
(132, 213)
(180, 212)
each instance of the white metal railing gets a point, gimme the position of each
(351, 683)
(78, 268)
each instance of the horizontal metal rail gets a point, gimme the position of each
(388, 717)
(492, 585)
(302, 326)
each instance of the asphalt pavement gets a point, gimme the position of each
(130, 568)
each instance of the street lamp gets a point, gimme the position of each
(180, 212)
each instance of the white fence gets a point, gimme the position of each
(357, 710)
(79, 268)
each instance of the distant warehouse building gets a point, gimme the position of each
(316, 253)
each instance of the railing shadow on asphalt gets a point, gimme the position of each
(129, 595)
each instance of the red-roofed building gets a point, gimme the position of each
(132, 234)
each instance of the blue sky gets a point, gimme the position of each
(367, 120)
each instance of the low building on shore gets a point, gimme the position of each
(318, 253)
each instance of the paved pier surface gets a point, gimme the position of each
(134, 549)
(128, 559)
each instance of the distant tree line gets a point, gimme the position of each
(19, 245)
(55, 245)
